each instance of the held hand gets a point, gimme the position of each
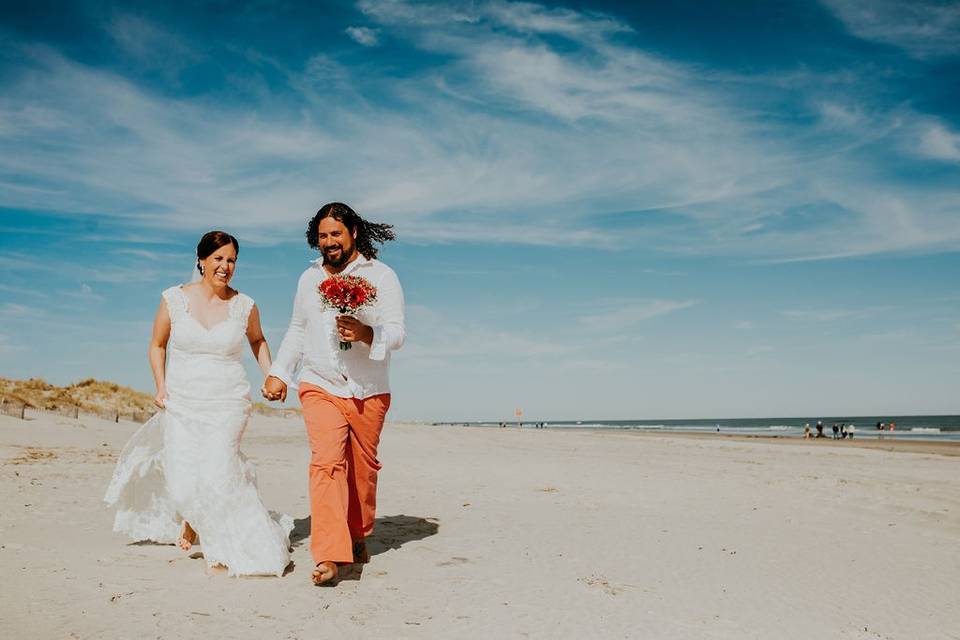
(161, 399)
(349, 329)
(274, 389)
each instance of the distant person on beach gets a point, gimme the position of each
(836, 431)
(344, 388)
(806, 431)
(819, 428)
(851, 429)
(880, 428)
(181, 477)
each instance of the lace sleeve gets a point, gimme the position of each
(243, 307)
(174, 299)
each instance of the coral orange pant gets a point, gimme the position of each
(344, 434)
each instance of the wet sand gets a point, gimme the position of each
(892, 444)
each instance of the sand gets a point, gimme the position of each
(509, 533)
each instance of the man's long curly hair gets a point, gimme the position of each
(367, 232)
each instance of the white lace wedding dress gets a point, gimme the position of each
(185, 462)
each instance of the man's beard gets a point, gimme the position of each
(344, 258)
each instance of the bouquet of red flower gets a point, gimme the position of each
(347, 294)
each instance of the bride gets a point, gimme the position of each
(182, 477)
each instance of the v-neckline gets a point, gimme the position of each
(186, 310)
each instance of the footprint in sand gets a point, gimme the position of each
(455, 560)
(32, 455)
(601, 582)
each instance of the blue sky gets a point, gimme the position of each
(695, 210)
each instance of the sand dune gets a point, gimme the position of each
(90, 395)
(96, 397)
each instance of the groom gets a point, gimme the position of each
(345, 394)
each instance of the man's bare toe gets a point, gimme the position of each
(325, 573)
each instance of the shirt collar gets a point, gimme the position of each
(361, 260)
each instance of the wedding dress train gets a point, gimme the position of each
(185, 462)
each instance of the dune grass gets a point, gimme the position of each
(93, 396)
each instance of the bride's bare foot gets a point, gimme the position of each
(188, 537)
(325, 573)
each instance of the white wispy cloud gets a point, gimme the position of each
(116, 273)
(822, 315)
(840, 116)
(24, 291)
(14, 310)
(363, 35)
(512, 139)
(139, 253)
(85, 292)
(923, 28)
(620, 314)
(152, 45)
(527, 17)
(663, 272)
(444, 342)
(8, 345)
(937, 141)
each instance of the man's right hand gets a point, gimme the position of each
(274, 389)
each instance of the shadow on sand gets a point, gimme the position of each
(389, 532)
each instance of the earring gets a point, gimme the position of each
(199, 267)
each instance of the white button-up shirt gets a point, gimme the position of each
(313, 345)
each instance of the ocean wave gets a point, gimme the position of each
(925, 429)
(781, 427)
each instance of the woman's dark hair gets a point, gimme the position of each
(367, 232)
(211, 241)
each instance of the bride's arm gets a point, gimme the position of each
(157, 352)
(261, 350)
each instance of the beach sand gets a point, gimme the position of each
(510, 533)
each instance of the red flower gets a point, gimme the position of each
(347, 294)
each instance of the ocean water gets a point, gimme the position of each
(938, 428)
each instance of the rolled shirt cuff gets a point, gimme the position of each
(378, 348)
(283, 374)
